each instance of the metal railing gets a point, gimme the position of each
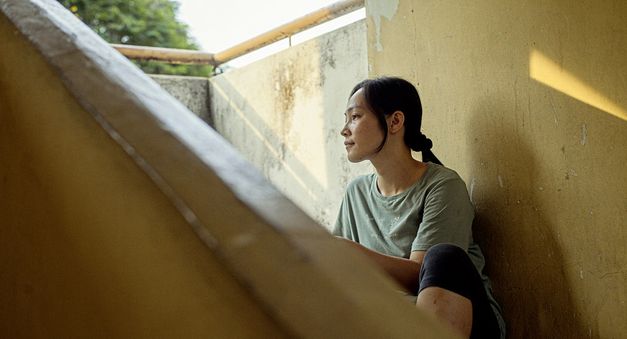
(183, 56)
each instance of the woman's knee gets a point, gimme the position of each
(447, 266)
(446, 254)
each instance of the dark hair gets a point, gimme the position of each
(386, 95)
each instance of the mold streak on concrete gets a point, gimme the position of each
(287, 121)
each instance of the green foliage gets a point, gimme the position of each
(139, 22)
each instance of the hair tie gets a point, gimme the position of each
(427, 155)
(424, 143)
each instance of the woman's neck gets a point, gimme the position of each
(397, 174)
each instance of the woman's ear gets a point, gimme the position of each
(396, 122)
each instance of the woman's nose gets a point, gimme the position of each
(344, 132)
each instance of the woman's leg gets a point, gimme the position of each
(452, 289)
(451, 307)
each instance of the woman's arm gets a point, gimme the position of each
(405, 271)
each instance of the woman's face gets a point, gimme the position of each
(362, 132)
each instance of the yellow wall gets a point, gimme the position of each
(528, 101)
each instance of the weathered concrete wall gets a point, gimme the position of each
(285, 113)
(527, 100)
(190, 91)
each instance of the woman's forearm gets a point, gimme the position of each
(406, 272)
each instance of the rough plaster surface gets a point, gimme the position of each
(285, 113)
(190, 91)
(546, 170)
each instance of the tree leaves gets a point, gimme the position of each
(143, 23)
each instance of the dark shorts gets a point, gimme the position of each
(449, 267)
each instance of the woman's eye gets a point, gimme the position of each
(354, 116)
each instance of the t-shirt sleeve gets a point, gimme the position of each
(341, 221)
(345, 224)
(344, 220)
(447, 216)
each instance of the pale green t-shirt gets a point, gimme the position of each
(436, 209)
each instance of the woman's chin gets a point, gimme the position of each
(354, 159)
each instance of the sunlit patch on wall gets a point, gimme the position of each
(548, 72)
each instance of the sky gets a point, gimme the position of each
(219, 24)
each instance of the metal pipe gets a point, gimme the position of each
(312, 19)
(171, 55)
(183, 56)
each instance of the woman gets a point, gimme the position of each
(413, 218)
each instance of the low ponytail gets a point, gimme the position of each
(420, 143)
(428, 156)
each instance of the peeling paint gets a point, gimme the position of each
(473, 182)
(584, 134)
(572, 172)
(378, 9)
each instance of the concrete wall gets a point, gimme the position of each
(193, 92)
(284, 114)
(527, 101)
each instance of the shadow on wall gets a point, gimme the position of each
(253, 132)
(524, 258)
